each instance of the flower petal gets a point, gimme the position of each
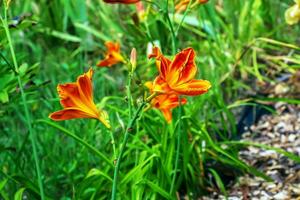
(162, 62)
(122, 1)
(183, 68)
(113, 55)
(112, 46)
(106, 62)
(170, 101)
(165, 103)
(192, 88)
(160, 86)
(85, 87)
(69, 95)
(90, 73)
(167, 114)
(70, 113)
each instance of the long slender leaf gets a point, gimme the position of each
(78, 139)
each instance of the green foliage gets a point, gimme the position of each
(237, 43)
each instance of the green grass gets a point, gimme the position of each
(237, 43)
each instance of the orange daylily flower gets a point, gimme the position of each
(177, 76)
(77, 101)
(183, 4)
(122, 1)
(202, 1)
(165, 102)
(113, 55)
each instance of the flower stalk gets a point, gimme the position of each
(129, 98)
(178, 147)
(24, 100)
(171, 27)
(119, 159)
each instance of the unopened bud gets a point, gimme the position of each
(133, 59)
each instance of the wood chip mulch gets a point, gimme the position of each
(281, 130)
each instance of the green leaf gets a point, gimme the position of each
(219, 181)
(4, 96)
(23, 68)
(234, 159)
(2, 184)
(78, 139)
(157, 189)
(92, 31)
(19, 194)
(97, 172)
(61, 35)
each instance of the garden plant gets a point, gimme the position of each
(139, 99)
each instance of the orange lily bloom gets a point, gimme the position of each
(113, 55)
(165, 102)
(183, 4)
(202, 1)
(122, 1)
(177, 76)
(77, 101)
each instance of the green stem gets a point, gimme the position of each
(178, 148)
(129, 99)
(113, 143)
(6, 61)
(171, 27)
(118, 161)
(182, 20)
(26, 110)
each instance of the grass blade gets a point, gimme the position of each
(78, 139)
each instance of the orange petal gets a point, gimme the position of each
(192, 88)
(182, 5)
(156, 53)
(183, 68)
(69, 94)
(167, 114)
(113, 55)
(162, 62)
(112, 46)
(166, 103)
(85, 88)
(90, 73)
(122, 1)
(106, 63)
(174, 101)
(202, 1)
(70, 113)
(170, 101)
(160, 86)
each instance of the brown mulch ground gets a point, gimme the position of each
(281, 130)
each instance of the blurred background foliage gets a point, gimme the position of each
(244, 48)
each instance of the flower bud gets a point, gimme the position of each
(133, 59)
